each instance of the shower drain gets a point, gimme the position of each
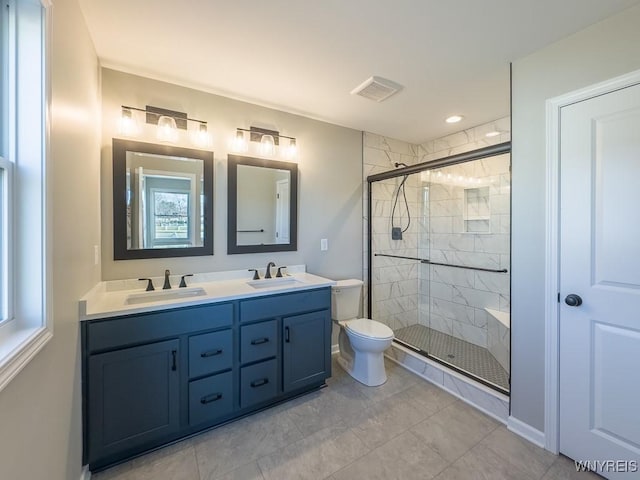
(451, 355)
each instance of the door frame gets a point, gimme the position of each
(552, 243)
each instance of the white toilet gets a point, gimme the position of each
(362, 341)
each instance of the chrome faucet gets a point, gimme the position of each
(267, 273)
(167, 284)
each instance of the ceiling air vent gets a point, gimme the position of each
(376, 89)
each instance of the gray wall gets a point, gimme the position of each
(604, 50)
(40, 410)
(330, 185)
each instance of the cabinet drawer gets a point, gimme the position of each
(210, 352)
(118, 332)
(258, 341)
(210, 398)
(286, 304)
(258, 383)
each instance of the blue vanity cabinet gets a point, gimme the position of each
(153, 378)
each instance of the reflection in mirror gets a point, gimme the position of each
(262, 205)
(162, 200)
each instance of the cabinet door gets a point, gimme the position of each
(133, 397)
(307, 349)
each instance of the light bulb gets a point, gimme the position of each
(167, 130)
(292, 149)
(454, 119)
(239, 143)
(200, 136)
(267, 146)
(127, 125)
(492, 134)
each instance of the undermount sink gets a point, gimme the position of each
(162, 295)
(274, 282)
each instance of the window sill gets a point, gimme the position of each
(18, 348)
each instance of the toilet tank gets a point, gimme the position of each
(345, 299)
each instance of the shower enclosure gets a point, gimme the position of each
(439, 260)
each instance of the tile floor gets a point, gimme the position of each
(405, 429)
(471, 358)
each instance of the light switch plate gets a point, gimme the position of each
(324, 245)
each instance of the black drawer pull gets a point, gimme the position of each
(211, 353)
(210, 398)
(174, 360)
(287, 337)
(259, 383)
(259, 341)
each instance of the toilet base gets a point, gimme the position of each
(366, 368)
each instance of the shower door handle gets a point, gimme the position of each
(573, 300)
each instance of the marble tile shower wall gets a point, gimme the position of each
(395, 295)
(467, 229)
(465, 140)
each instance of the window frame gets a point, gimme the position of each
(24, 149)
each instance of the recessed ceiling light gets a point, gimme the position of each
(454, 119)
(492, 134)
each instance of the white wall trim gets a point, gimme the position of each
(85, 474)
(554, 107)
(526, 431)
(335, 349)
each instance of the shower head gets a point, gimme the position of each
(400, 164)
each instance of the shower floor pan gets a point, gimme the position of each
(465, 356)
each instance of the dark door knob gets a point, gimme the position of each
(573, 300)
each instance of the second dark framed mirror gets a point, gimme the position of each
(262, 205)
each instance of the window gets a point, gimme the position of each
(25, 325)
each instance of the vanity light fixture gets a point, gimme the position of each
(127, 125)
(269, 142)
(167, 130)
(267, 146)
(200, 136)
(239, 143)
(292, 149)
(168, 122)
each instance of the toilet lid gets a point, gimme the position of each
(366, 327)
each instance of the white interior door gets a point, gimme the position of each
(282, 211)
(600, 263)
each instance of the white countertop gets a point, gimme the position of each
(109, 299)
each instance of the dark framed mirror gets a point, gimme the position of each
(162, 201)
(262, 205)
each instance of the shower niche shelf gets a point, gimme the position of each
(476, 212)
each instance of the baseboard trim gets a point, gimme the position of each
(526, 431)
(85, 474)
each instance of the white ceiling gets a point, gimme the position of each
(305, 56)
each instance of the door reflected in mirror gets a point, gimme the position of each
(262, 215)
(162, 200)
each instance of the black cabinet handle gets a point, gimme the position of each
(286, 335)
(174, 364)
(211, 353)
(259, 383)
(210, 398)
(259, 341)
